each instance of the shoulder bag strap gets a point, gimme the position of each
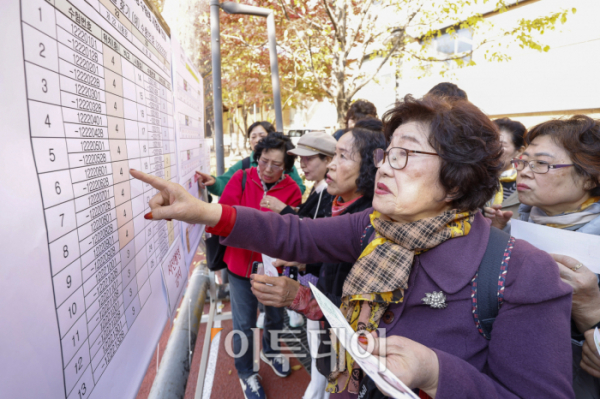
(246, 163)
(243, 180)
(364, 240)
(489, 280)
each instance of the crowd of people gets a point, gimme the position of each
(407, 228)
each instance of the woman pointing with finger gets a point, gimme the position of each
(416, 276)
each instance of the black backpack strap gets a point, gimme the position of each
(364, 239)
(243, 181)
(246, 163)
(488, 283)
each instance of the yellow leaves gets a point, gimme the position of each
(309, 32)
(297, 367)
(563, 18)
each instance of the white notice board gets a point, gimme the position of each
(189, 119)
(85, 95)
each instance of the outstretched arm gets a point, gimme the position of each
(305, 240)
(283, 237)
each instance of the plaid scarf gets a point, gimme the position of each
(380, 276)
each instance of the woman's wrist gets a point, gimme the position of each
(586, 317)
(295, 286)
(430, 385)
(222, 219)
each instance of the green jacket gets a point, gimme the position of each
(221, 181)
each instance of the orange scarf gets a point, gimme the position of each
(337, 208)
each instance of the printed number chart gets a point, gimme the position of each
(92, 85)
(189, 111)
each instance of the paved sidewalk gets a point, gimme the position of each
(225, 381)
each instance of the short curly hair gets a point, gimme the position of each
(466, 140)
(365, 142)
(370, 123)
(361, 109)
(276, 141)
(580, 137)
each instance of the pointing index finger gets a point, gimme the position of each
(154, 181)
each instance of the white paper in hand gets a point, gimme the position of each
(581, 246)
(270, 270)
(385, 380)
(597, 339)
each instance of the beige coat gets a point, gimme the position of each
(512, 204)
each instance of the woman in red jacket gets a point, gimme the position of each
(268, 178)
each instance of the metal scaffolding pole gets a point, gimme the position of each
(171, 378)
(215, 46)
(235, 8)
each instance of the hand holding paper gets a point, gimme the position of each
(408, 362)
(270, 270)
(400, 355)
(272, 290)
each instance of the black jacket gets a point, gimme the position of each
(307, 210)
(309, 207)
(331, 283)
(333, 275)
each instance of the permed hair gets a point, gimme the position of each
(580, 137)
(466, 140)
(276, 141)
(370, 123)
(365, 142)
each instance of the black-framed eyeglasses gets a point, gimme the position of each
(539, 167)
(396, 156)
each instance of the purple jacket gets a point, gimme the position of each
(529, 354)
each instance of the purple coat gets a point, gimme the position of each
(529, 354)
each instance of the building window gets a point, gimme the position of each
(450, 44)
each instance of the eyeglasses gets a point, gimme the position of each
(396, 156)
(266, 165)
(539, 167)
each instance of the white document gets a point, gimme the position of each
(383, 377)
(270, 270)
(580, 246)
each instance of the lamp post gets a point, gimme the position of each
(235, 8)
